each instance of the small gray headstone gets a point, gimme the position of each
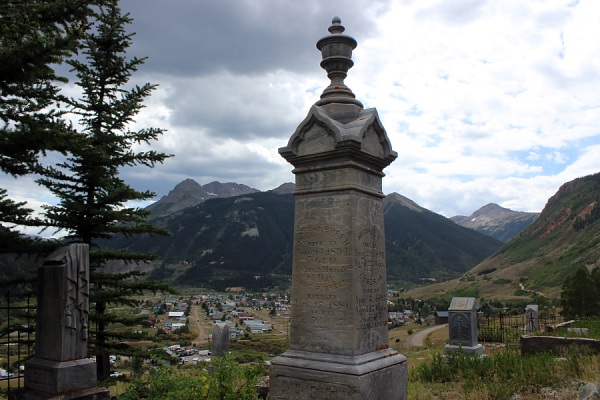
(462, 326)
(532, 318)
(220, 340)
(580, 331)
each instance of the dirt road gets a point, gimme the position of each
(531, 291)
(197, 316)
(417, 339)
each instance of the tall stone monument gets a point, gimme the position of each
(220, 340)
(338, 329)
(60, 365)
(462, 326)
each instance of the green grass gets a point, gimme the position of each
(256, 349)
(553, 274)
(502, 374)
(592, 324)
(469, 291)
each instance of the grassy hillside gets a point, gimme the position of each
(564, 237)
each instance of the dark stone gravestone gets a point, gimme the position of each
(60, 368)
(462, 326)
(339, 318)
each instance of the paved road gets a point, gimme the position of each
(417, 339)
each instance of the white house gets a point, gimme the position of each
(176, 314)
(177, 325)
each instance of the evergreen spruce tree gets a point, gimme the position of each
(595, 274)
(35, 35)
(581, 294)
(92, 197)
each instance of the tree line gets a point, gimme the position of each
(91, 137)
(580, 295)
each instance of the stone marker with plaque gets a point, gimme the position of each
(462, 326)
(339, 318)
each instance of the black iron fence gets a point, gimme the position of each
(17, 333)
(508, 328)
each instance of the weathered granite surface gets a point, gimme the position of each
(220, 340)
(338, 328)
(60, 363)
(558, 345)
(96, 393)
(590, 391)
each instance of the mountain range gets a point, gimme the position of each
(492, 220)
(189, 193)
(227, 234)
(246, 240)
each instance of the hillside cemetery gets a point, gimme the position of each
(258, 327)
(340, 332)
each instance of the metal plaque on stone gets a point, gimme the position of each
(462, 326)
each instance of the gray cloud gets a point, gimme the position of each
(238, 106)
(191, 37)
(484, 101)
(455, 12)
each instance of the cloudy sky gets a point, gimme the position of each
(484, 101)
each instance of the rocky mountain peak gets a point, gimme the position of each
(187, 184)
(285, 188)
(496, 221)
(190, 193)
(492, 209)
(396, 198)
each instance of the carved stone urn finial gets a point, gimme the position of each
(336, 50)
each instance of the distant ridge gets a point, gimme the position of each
(422, 244)
(247, 240)
(397, 199)
(498, 222)
(286, 188)
(190, 193)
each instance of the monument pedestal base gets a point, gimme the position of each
(475, 350)
(58, 377)
(81, 394)
(304, 375)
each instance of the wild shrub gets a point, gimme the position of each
(504, 373)
(223, 380)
